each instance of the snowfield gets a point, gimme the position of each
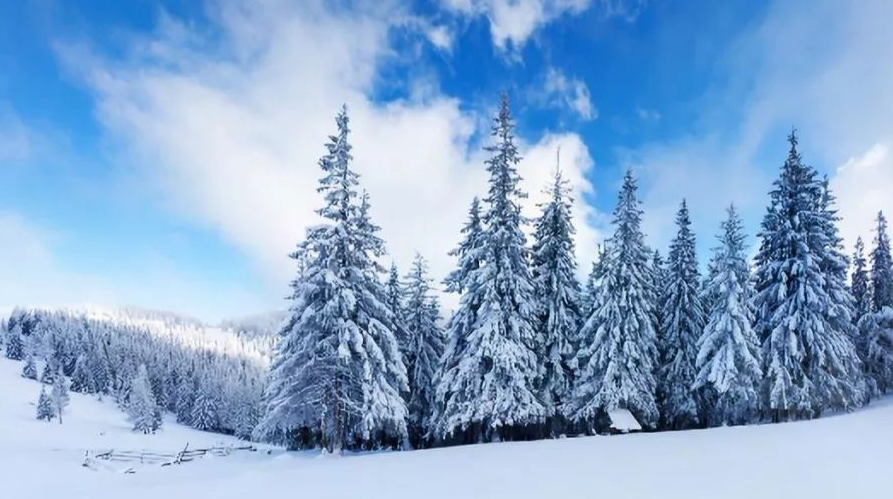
(838, 456)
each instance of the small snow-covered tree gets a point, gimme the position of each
(426, 340)
(860, 284)
(589, 294)
(142, 407)
(99, 370)
(29, 370)
(881, 267)
(661, 281)
(50, 371)
(876, 327)
(487, 385)
(728, 359)
(246, 413)
(45, 411)
(60, 397)
(557, 295)
(185, 396)
(82, 377)
(204, 407)
(394, 298)
(876, 348)
(15, 347)
(683, 320)
(619, 349)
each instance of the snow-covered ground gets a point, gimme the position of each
(839, 456)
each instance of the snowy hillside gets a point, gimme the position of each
(837, 456)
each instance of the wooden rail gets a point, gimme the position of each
(155, 458)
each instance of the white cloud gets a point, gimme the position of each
(233, 138)
(706, 172)
(440, 37)
(820, 69)
(513, 22)
(538, 167)
(563, 92)
(863, 186)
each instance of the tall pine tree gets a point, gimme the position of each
(810, 364)
(728, 361)
(683, 320)
(487, 388)
(337, 376)
(619, 349)
(590, 291)
(426, 339)
(144, 412)
(860, 284)
(557, 299)
(394, 298)
(881, 267)
(469, 252)
(876, 327)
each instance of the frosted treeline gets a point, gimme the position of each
(365, 360)
(147, 362)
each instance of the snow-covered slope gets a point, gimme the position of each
(838, 456)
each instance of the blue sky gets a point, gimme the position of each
(163, 153)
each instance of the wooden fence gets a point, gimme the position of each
(144, 457)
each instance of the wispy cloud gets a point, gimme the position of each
(16, 139)
(559, 91)
(514, 22)
(734, 151)
(648, 115)
(233, 141)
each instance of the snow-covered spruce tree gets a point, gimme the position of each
(15, 346)
(809, 364)
(469, 252)
(45, 411)
(204, 408)
(876, 349)
(557, 300)
(422, 317)
(881, 267)
(876, 327)
(841, 312)
(394, 294)
(661, 276)
(593, 280)
(860, 285)
(337, 376)
(99, 370)
(82, 377)
(619, 349)
(50, 371)
(59, 396)
(683, 320)
(246, 414)
(185, 399)
(487, 386)
(728, 360)
(142, 407)
(29, 370)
